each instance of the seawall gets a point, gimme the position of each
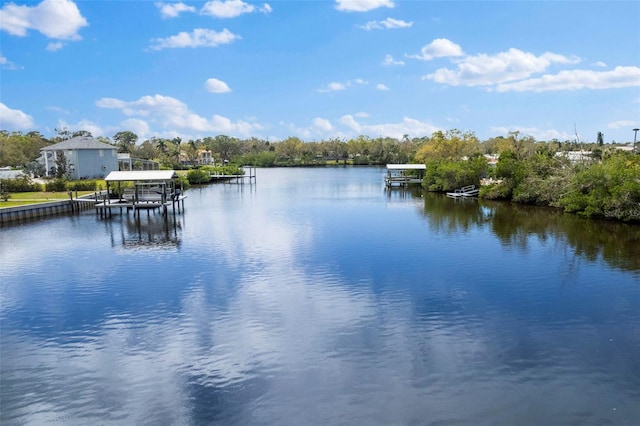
(49, 208)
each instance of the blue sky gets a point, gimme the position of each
(321, 69)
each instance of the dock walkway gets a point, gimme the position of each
(251, 177)
(464, 192)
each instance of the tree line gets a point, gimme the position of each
(21, 150)
(604, 184)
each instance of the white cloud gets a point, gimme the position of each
(173, 10)
(362, 5)
(576, 80)
(387, 24)
(231, 8)
(137, 126)
(348, 126)
(600, 64)
(389, 61)
(438, 48)
(322, 124)
(621, 124)
(483, 70)
(14, 118)
(349, 121)
(52, 47)
(381, 87)
(173, 114)
(58, 109)
(361, 114)
(82, 125)
(333, 87)
(336, 86)
(537, 134)
(408, 126)
(197, 38)
(214, 85)
(57, 19)
(6, 64)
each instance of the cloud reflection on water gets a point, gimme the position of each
(248, 324)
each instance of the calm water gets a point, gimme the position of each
(317, 297)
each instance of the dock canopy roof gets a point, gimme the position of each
(141, 175)
(406, 167)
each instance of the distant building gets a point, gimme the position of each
(205, 157)
(8, 173)
(492, 159)
(85, 157)
(626, 148)
(575, 156)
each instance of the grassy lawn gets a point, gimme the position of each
(24, 198)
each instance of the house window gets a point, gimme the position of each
(101, 152)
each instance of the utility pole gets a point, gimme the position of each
(635, 133)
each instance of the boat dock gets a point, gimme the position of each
(404, 174)
(464, 192)
(147, 190)
(251, 177)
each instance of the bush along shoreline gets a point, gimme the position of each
(606, 188)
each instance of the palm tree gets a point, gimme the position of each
(161, 144)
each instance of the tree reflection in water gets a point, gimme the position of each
(516, 224)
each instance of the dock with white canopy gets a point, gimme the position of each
(404, 174)
(141, 190)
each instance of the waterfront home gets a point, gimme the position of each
(84, 157)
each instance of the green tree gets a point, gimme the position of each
(61, 165)
(62, 134)
(610, 189)
(18, 150)
(83, 133)
(147, 150)
(448, 175)
(125, 141)
(161, 144)
(450, 145)
(224, 147)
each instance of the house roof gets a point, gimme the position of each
(141, 175)
(79, 142)
(10, 174)
(406, 167)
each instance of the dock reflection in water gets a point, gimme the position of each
(154, 231)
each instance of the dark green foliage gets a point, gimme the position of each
(17, 149)
(260, 159)
(610, 189)
(183, 182)
(198, 176)
(82, 185)
(495, 191)
(61, 165)
(448, 175)
(125, 141)
(546, 179)
(21, 184)
(56, 185)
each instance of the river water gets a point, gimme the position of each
(318, 297)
